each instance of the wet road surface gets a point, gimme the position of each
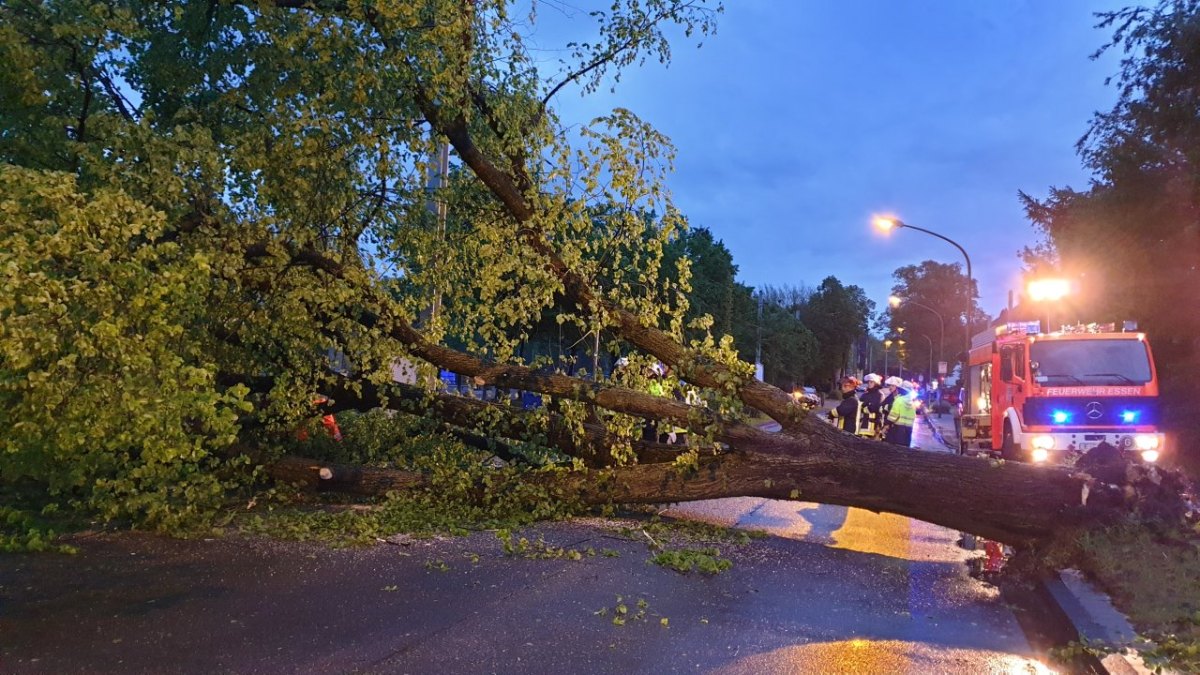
(835, 591)
(907, 594)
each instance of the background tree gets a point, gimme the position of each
(837, 315)
(789, 348)
(715, 290)
(942, 288)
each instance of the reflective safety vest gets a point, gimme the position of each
(656, 388)
(904, 411)
(869, 425)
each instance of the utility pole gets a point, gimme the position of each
(439, 170)
(758, 366)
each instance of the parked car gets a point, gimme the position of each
(808, 395)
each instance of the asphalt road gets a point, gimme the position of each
(834, 591)
(907, 602)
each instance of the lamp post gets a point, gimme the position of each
(887, 343)
(929, 370)
(896, 301)
(888, 224)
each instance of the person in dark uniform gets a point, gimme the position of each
(848, 412)
(871, 425)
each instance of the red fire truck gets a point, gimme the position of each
(1043, 397)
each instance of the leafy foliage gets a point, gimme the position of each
(106, 395)
(706, 560)
(168, 166)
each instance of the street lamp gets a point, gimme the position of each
(896, 301)
(929, 370)
(887, 224)
(887, 343)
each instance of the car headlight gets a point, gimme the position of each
(1040, 455)
(1149, 456)
(1146, 441)
(1042, 442)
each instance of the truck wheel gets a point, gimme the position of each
(1010, 450)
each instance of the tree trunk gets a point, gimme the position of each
(1010, 502)
(958, 493)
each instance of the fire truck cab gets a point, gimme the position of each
(1046, 397)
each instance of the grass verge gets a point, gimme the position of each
(1154, 578)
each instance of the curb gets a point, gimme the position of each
(937, 433)
(1076, 611)
(1086, 615)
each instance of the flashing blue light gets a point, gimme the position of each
(1061, 416)
(1129, 416)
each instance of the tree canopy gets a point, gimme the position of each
(932, 302)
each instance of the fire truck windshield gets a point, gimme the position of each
(1090, 362)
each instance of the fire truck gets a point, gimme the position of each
(1048, 397)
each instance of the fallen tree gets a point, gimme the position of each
(254, 230)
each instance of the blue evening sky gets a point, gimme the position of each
(800, 119)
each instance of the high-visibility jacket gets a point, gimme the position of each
(848, 413)
(904, 411)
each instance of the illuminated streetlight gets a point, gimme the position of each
(889, 223)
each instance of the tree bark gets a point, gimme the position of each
(1010, 502)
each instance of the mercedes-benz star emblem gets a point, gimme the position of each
(1094, 410)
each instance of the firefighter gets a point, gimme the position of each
(872, 403)
(328, 421)
(902, 416)
(654, 386)
(890, 386)
(848, 413)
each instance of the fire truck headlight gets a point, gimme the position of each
(1040, 455)
(1043, 443)
(1149, 456)
(1146, 441)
